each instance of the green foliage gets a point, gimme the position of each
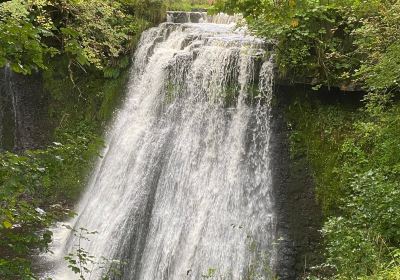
(20, 40)
(91, 99)
(377, 41)
(83, 49)
(316, 130)
(329, 42)
(210, 273)
(355, 162)
(82, 263)
(384, 76)
(247, 7)
(354, 155)
(99, 33)
(186, 5)
(36, 188)
(93, 33)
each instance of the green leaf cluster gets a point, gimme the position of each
(333, 43)
(82, 48)
(91, 34)
(354, 156)
(355, 161)
(20, 39)
(36, 190)
(187, 5)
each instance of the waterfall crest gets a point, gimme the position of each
(183, 190)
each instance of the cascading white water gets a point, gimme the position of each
(184, 188)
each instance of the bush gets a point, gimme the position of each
(333, 43)
(36, 189)
(355, 162)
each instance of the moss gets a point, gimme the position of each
(112, 96)
(170, 92)
(318, 130)
(352, 153)
(90, 98)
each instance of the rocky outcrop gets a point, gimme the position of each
(299, 217)
(23, 116)
(186, 17)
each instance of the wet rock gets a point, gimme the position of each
(296, 208)
(23, 117)
(185, 17)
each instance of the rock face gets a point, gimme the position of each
(186, 17)
(299, 217)
(6, 116)
(23, 116)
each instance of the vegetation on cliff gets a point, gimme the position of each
(82, 50)
(353, 152)
(329, 42)
(354, 161)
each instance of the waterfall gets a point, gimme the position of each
(183, 190)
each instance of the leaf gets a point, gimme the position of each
(294, 23)
(7, 224)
